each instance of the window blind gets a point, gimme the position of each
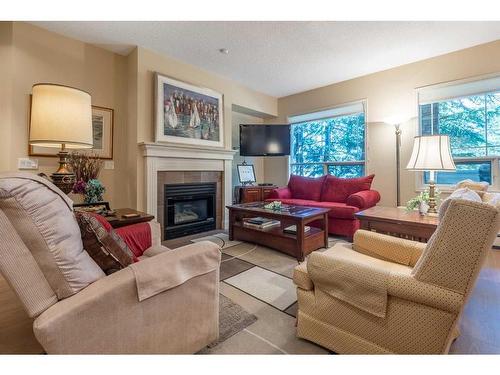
(433, 94)
(343, 110)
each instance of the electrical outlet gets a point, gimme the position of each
(26, 163)
(109, 164)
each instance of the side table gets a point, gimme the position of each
(398, 222)
(117, 220)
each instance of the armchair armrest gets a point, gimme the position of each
(280, 193)
(393, 249)
(366, 283)
(363, 199)
(107, 317)
(354, 280)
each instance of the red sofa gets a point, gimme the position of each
(343, 196)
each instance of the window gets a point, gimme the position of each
(473, 123)
(329, 142)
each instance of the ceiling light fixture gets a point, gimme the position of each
(224, 51)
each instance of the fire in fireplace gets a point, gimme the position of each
(189, 209)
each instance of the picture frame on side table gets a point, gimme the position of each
(246, 174)
(102, 130)
(187, 114)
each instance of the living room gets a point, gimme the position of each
(299, 186)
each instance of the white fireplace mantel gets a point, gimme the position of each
(160, 157)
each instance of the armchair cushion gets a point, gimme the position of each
(389, 248)
(306, 187)
(338, 189)
(363, 199)
(107, 249)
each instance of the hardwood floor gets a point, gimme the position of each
(479, 326)
(480, 323)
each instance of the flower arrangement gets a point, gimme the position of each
(86, 168)
(275, 205)
(421, 200)
(94, 190)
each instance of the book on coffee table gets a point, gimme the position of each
(260, 223)
(292, 229)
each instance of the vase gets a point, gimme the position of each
(423, 207)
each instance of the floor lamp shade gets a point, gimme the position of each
(61, 116)
(431, 153)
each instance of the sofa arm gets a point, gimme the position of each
(107, 317)
(393, 249)
(363, 199)
(280, 193)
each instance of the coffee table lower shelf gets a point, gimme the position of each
(284, 242)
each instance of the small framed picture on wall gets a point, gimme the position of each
(246, 173)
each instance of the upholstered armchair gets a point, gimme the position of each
(167, 302)
(389, 295)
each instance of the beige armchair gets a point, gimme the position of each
(166, 303)
(389, 295)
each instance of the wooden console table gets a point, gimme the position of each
(398, 222)
(248, 194)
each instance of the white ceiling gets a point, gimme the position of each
(283, 58)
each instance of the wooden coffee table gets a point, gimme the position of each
(398, 222)
(298, 245)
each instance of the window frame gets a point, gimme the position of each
(364, 162)
(495, 160)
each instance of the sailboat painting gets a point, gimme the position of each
(187, 114)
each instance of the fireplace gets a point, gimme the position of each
(189, 209)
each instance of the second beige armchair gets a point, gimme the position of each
(389, 295)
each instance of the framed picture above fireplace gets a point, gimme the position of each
(187, 114)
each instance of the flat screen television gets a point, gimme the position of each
(264, 140)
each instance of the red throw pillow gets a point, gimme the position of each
(306, 187)
(338, 189)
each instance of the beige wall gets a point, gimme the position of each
(6, 79)
(388, 93)
(30, 55)
(148, 63)
(41, 56)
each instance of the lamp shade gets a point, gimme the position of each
(431, 153)
(60, 115)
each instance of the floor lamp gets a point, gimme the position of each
(397, 131)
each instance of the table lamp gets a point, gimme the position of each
(61, 117)
(431, 153)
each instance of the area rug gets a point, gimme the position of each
(221, 239)
(232, 319)
(270, 287)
